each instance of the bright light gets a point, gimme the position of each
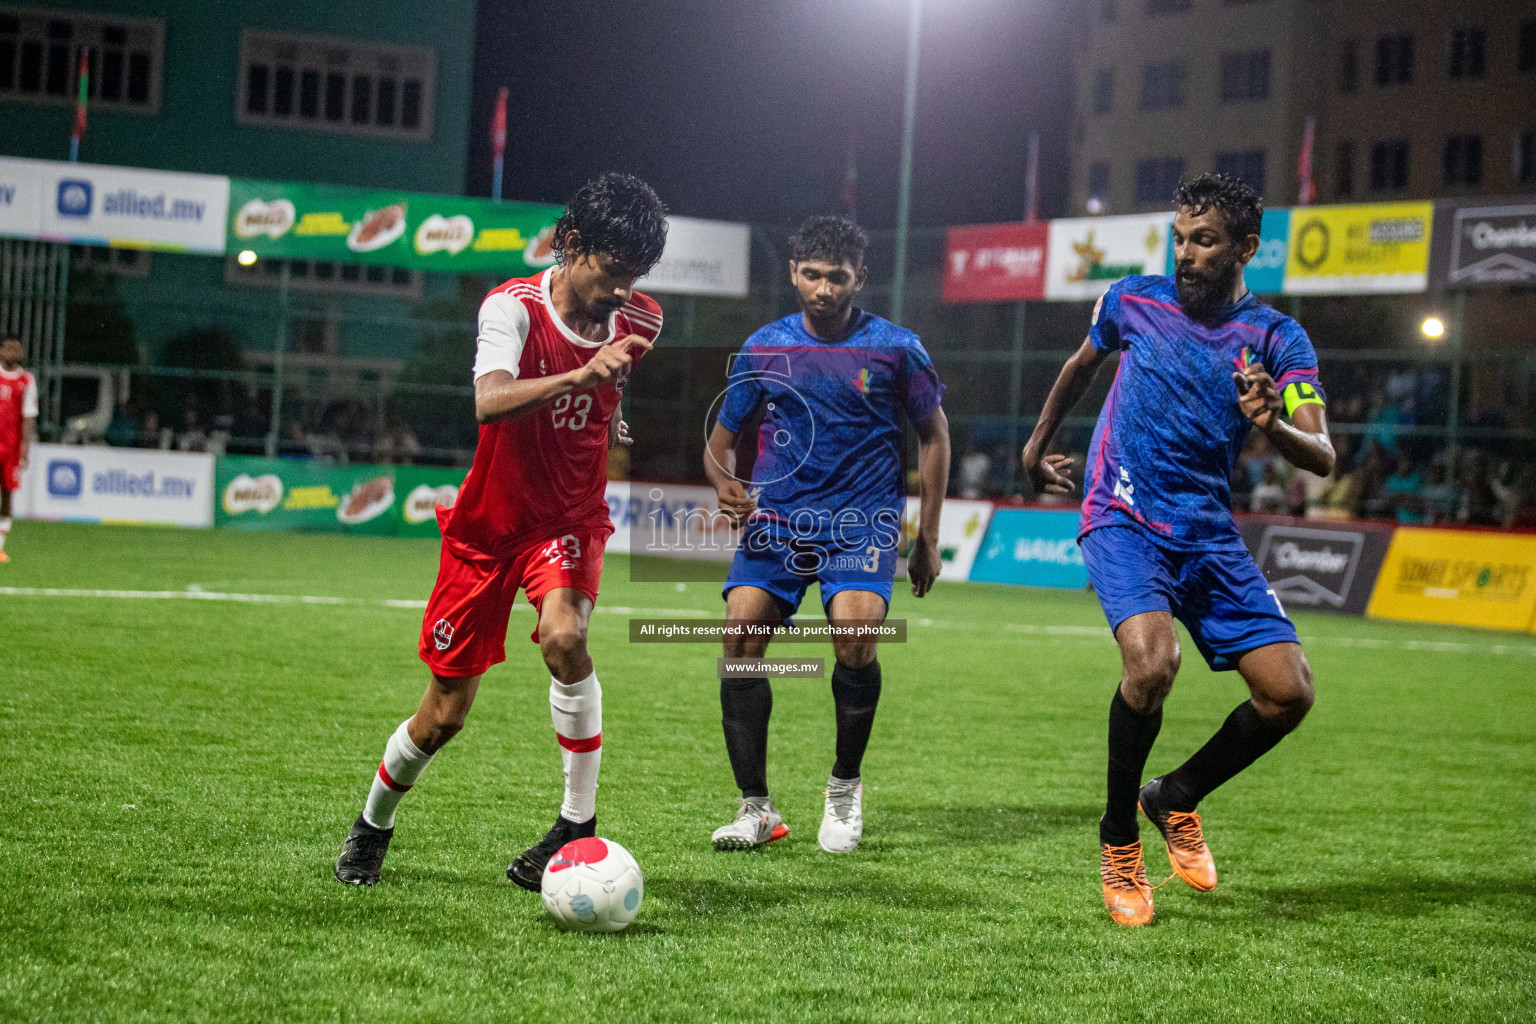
(1433, 327)
(246, 257)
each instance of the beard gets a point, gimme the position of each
(1201, 293)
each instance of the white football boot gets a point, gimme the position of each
(842, 823)
(757, 822)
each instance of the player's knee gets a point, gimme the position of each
(563, 648)
(853, 654)
(740, 644)
(442, 727)
(1149, 675)
(1288, 703)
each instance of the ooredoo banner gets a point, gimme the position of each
(1086, 255)
(287, 494)
(1032, 547)
(1459, 578)
(995, 262)
(1320, 566)
(117, 485)
(1350, 250)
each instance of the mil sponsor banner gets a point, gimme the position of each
(1483, 243)
(1265, 273)
(1319, 566)
(962, 528)
(123, 207)
(1351, 250)
(1032, 547)
(1458, 578)
(995, 262)
(303, 496)
(702, 257)
(117, 485)
(1086, 255)
(394, 229)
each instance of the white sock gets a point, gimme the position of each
(402, 765)
(5, 529)
(577, 711)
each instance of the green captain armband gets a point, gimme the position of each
(1299, 394)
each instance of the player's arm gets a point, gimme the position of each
(1051, 474)
(501, 396)
(924, 562)
(1302, 437)
(720, 471)
(28, 422)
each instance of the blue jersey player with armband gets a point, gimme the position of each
(1202, 362)
(834, 386)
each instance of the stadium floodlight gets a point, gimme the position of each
(1433, 328)
(246, 257)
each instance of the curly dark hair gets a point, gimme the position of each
(618, 216)
(830, 238)
(1241, 207)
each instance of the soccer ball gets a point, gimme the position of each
(593, 885)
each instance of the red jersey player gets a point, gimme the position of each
(552, 352)
(18, 421)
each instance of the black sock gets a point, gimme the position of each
(745, 705)
(856, 692)
(1242, 739)
(1131, 735)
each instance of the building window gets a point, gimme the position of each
(1168, 6)
(1389, 165)
(375, 89)
(1098, 186)
(1245, 165)
(1525, 48)
(1349, 65)
(1162, 85)
(1245, 76)
(118, 262)
(1463, 164)
(1525, 157)
(1466, 53)
(40, 58)
(1157, 179)
(325, 276)
(1103, 91)
(1344, 170)
(1394, 59)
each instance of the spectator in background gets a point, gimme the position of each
(974, 467)
(1476, 505)
(1269, 496)
(1371, 486)
(1437, 497)
(1382, 422)
(193, 438)
(1341, 492)
(1401, 490)
(250, 428)
(150, 434)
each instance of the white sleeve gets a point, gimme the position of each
(29, 400)
(503, 332)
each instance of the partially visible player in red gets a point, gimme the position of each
(18, 428)
(552, 354)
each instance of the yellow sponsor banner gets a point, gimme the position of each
(1458, 578)
(1374, 247)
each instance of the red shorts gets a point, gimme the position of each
(10, 470)
(464, 631)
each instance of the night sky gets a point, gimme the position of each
(744, 111)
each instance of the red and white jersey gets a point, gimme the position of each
(544, 473)
(18, 401)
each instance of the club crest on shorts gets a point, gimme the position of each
(442, 634)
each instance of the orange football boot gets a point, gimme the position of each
(4, 558)
(1127, 894)
(1188, 854)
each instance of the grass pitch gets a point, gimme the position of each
(179, 774)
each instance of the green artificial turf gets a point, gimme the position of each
(178, 776)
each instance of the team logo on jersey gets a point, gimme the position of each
(442, 634)
(861, 380)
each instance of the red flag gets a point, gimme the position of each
(499, 125)
(1304, 163)
(85, 85)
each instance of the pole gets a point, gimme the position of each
(1015, 395)
(904, 185)
(276, 425)
(1453, 410)
(498, 142)
(1032, 178)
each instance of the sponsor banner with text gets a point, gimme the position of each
(1318, 565)
(1086, 255)
(995, 262)
(1484, 243)
(1032, 547)
(1352, 250)
(1458, 578)
(288, 494)
(702, 257)
(123, 207)
(117, 485)
(962, 528)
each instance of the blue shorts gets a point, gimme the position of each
(786, 570)
(1221, 597)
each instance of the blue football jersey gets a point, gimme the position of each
(829, 450)
(1170, 432)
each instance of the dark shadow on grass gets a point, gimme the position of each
(713, 896)
(984, 825)
(1400, 896)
